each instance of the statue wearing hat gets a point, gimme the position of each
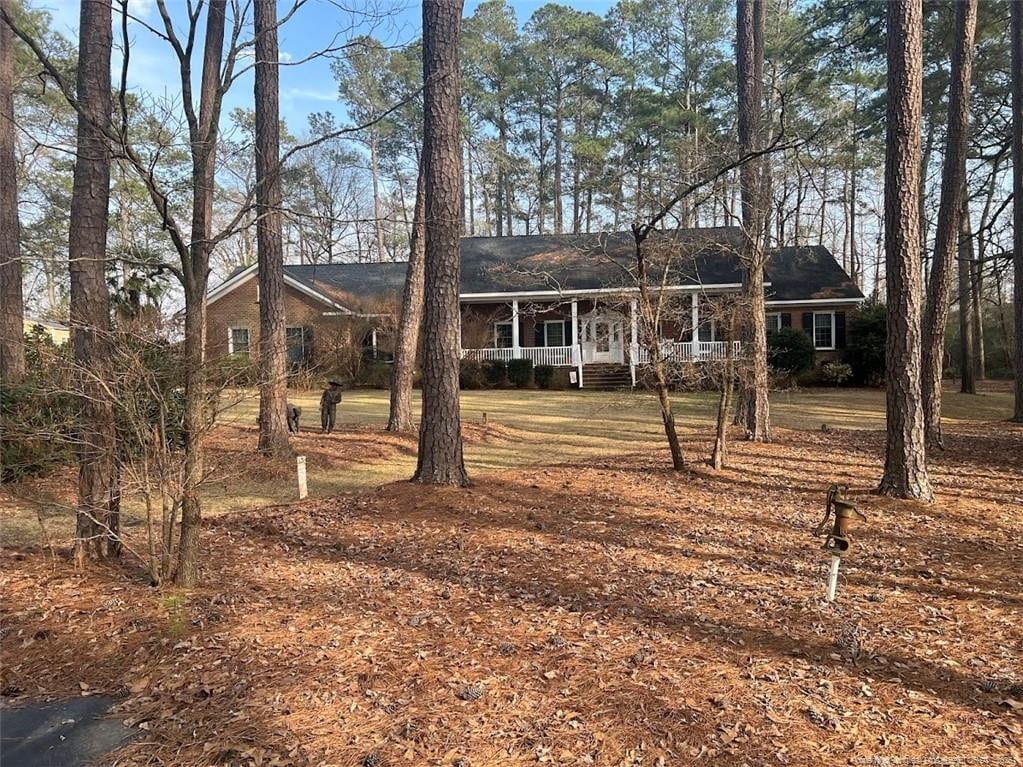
(328, 406)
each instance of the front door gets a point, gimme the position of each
(603, 340)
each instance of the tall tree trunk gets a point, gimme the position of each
(196, 275)
(559, 129)
(1017, 197)
(750, 72)
(977, 316)
(905, 469)
(87, 255)
(411, 319)
(440, 434)
(378, 210)
(273, 373)
(950, 213)
(967, 345)
(12, 303)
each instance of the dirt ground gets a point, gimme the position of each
(603, 611)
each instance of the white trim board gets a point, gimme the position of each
(506, 295)
(816, 302)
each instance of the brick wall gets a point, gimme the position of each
(240, 309)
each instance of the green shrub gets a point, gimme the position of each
(868, 333)
(36, 432)
(470, 374)
(496, 372)
(544, 376)
(836, 373)
(520, 372)
(374, 374)
(789, 351)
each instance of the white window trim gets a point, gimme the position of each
(546, 343)
(774, 314)
(833, 339)
(496, 324)
(230, 338)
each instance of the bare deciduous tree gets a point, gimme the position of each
(905, 469)
(440, 437)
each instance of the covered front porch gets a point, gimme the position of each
(582, 331)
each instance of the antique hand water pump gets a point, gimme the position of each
(837, 541)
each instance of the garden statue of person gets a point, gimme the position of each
(294, 413)
(328, 406)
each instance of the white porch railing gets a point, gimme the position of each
(564, 356)
(689, 351)
(558, 356)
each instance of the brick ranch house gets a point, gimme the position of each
(562, 300)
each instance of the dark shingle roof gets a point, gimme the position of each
(807, 273)
(535, 263)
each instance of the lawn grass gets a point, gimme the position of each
(532, 428)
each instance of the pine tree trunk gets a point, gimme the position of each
(1017, 198)
(12, 303)
(273, 372)
(967, 345)
(87, 255)
(905, 470)
(378, 211)
(411, 319)
(559, 210)
(440, 437)
(950, 212)
(196, 274)
(750, 73)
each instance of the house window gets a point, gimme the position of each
(773, 322)
(708, 331)
(503, 335)
(554, 333)
(824, 330)
(298, 348)
(238, 341)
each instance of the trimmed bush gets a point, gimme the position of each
(520, 372)
(496, 372)
(470, 374)
(375, 374)
(836, 373)
(864, 352)
(544, 376)
(789, 351)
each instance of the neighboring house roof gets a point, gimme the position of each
(537, 265)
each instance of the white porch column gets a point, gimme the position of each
(577, 342)
(634, 341)
(515, 328)
(374, 343)
(695, 296)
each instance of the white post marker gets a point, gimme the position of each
(303, 488)
(833, 578)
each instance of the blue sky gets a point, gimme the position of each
(305, 87)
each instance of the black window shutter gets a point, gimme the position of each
(808, 323)
(538, 333)
(839, 330)
(786, 319)
(568, 333)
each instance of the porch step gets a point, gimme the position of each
(606, 376)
